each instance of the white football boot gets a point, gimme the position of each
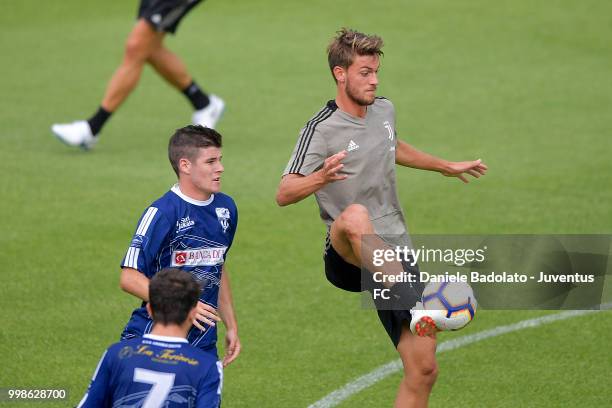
(75, 134)
(427, 322)
(210, 115)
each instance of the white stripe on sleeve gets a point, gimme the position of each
(98, 367)
(83, 400)
(95, 374)
(146, 221)
(135, 258)
(126, 261)
(131, 258)
(220, 370)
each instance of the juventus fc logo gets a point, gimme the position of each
(387, 126)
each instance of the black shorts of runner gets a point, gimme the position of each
(347, 277)
(165, 15)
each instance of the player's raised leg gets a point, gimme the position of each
(353, 237)
(141, 42)
(346, 232)
(208, 109)
(418, 356)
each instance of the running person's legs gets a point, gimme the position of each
(145, 45)
(141, 43)
(164, 17)
(170, 67)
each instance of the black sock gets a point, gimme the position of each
(98, 119)
(198, 99)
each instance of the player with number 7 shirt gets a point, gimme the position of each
(159, 369)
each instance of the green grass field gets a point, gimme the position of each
(525, 85)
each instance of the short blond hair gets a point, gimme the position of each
(348, 43)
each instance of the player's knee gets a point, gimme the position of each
(155, 55)
(430, 373)
(356, 210)
(135, 50)
(421, 376)
(427, 372)
(354, 219)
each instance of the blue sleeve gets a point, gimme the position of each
(151, 233)
(234, 224)
(209, 388)
(98, 394)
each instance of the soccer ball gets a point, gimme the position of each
(455, 299)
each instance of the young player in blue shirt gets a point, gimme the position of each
(191, 228)
(159, 369)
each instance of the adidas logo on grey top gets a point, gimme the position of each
(352, 146)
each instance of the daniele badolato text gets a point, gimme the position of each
(480, 277)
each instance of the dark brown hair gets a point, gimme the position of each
(186, 141)
(172, 295)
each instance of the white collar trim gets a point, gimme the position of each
(176, 190)
(172, 339)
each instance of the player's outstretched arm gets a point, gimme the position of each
(296, 187)
(226, 310)
(407, 155)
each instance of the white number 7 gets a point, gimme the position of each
(162, 384)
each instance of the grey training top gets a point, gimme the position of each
(370, 163)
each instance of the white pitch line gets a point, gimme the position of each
(336, 397)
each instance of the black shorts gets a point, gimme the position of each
(165, 15)
(346, 276)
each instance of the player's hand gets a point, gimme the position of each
(332, 166)
(205, 314)
(474, 168)
(232, 347)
